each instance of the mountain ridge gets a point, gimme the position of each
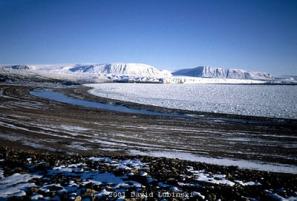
(220, 72)
(137, 72)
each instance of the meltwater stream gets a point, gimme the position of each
(57, 96)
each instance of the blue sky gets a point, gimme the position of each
(170, 34)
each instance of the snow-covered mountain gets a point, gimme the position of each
(128, 69)
(91, 72)
(137, 72)
(212, 72)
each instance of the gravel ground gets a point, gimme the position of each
(31, 175)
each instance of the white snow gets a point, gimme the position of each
(220, 72)
(97, 177)
(203, 80)
(86, 176)
(277, 197)
(73, 128)
(1, 174)
(243, 164)
(76, 168)
(253, 100)
(90, 73)
(15, 184)
(138, 72)
(195, 194)
(129, 69)
(134, 72)
(249, 183)
(121, 164)
(104, 192)
(219, 179)
(46, 188)
(36, 197)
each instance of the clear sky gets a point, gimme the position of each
(169, 34)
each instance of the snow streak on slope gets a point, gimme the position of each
(254, 100)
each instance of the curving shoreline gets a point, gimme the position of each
(216, 136)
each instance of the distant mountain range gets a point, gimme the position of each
(115, 69)
(88, 73)
(212, 72)
(137, 72)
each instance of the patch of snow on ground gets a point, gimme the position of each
(249, 183)
(203, 176)
(197, 194)
(244, 164)
(71, 168)
(86, 176)
(121, 164)
(73, 128)
(36, 197)
(1, 174)
(277, 197)
(15, 185)
(96, 177)
(253, 100)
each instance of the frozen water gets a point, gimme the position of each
(56, 96)
(253, 100)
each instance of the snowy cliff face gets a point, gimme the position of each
(128, 69)
(211, 72)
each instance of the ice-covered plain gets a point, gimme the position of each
(252, 100)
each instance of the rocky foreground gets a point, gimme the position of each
(32, 175)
